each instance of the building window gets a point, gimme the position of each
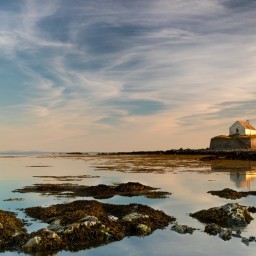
(237, 130)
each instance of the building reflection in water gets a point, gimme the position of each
(242, 175)
(242, 180)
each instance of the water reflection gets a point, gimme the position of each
(189, 195)
(242, 180)
(241, 174)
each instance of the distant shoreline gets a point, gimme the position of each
(207, 154)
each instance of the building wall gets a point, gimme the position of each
(229, 143)
(253, 143)
(236, 126)
(250, 132)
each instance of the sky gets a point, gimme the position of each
(117, 75)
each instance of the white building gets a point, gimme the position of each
(242, 128)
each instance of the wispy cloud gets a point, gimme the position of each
(124, 69)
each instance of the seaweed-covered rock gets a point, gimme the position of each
(229, 215)
(100, 191)
(231, 194)
(143, 229)
(134, 216)
(84, 224)
(12, 233)
(32, 244)
(43, 240)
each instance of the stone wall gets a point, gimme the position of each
(231, 143)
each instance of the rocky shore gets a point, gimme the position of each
(79, 225)
(231, 194)
(12, 232)
(210, 154)
(84, 224)
(88, 223)
(228, 216)
(100, 191)
(226, 221)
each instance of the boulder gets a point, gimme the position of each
(143, 229)
(134, 216)
(182, 229)
(31, 244)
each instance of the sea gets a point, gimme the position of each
(186, 177)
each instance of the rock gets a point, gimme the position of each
(100, 191)
(182, 229)
(12, 231)
(56, 222)
(113, 218)
(245, 241)
(56, 228)
(44, 241)
(50, 233)
(227, 193)
(212, 229)
(225, 234)
(143, 229)
(229, 215)
(237, 233)
(86, 224)
(70, 228)
(238, 215)
(89, 223)
(252, 209)
(31, 243)
(252, 239)
(89, 218)
(134, 216)
(232, 194)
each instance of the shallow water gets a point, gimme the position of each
(186, 177)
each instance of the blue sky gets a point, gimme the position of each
(116, 75)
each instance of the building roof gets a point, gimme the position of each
(246, 125)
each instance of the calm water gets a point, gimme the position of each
(187, 178)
